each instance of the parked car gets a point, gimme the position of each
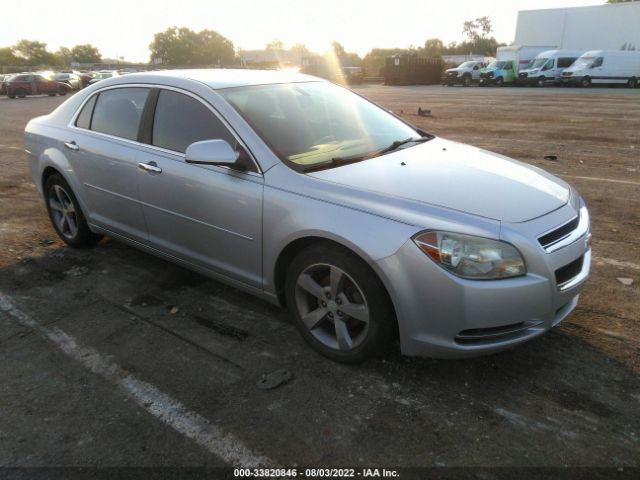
(70, 79)
(547, 67)
(464, 74)
(351, 75)
(102, 74)
(498, 73)
(3, 88)
(604, 67)
(22, 85)
(307, 195)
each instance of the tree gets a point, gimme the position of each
(33, 52)
(63, 56)
(338, 49)
(183, 46)
(433, 47)
(275, 44)
(7, 57)
(85, 54)
(477, 29)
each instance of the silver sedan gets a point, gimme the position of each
(308, 195)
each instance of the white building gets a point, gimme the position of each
(609, 27)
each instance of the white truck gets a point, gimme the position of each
(509, 61)
(465, 74)
(604, 67)
(547, 67)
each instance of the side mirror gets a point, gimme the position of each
(215, 152)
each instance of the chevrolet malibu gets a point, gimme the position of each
(307, 195)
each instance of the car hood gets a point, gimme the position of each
(458, 177)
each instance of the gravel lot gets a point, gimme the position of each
(112, 357)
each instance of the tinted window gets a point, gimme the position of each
(181, 120)
(565, 62)
(118, 111)
(84, 119)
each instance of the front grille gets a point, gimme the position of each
(559, 233)
(492, 334)
(569, 271)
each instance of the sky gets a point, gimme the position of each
(126, 27)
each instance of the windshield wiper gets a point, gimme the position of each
(339, 161)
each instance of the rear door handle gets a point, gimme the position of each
(150, 167)
(72, 145)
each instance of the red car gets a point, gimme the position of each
(22, 85)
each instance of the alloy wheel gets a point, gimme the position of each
(332, 306)
(63, 212)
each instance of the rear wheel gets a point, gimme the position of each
(21, 93)
(340, 306)
(65, 214)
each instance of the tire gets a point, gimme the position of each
(540, 82)
(632, 83)
(62, 91)
(66, 215)
(466, 81)
(585, 82)
(21, 93)
(499, 82)
(308, 289)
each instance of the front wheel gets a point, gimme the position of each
(466, 81)
(540, 82)
(499, 82)
(65, 214)
(340, 306)
(585, 82)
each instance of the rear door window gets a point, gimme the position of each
(181, 120)
(118, 112)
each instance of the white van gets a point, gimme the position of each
(547, 67)
(604, 67)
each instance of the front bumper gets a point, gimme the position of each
(441, 315)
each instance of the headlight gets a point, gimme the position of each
(471, 257)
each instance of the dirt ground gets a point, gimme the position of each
(569, 398)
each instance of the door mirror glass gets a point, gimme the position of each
(212, 152)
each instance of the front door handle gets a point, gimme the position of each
(72, 145)
(150, 167)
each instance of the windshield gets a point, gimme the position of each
(467, 65)
(537, 63)
(316, 122)
(583, 62)
(496, 65)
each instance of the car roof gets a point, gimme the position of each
(217, 78)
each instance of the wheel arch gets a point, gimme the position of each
(288, 253)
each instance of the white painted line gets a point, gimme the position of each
(615, 263)
(599, 179)
(9, 147)
(159, 404)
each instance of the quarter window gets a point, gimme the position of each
(84, 119)
(181, 120)
(117, 112)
